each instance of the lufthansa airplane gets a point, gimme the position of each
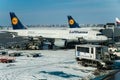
(76, 25)
(60, 37)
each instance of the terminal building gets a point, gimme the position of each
(112, 31)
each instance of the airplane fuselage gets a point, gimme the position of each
(68, 34)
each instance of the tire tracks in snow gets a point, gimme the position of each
(16, 72)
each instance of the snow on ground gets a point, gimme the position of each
(53, 65)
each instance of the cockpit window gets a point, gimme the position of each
(99, 34)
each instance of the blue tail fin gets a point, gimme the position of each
(72, 23)
(16, 24)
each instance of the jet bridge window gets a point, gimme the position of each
(83, 49)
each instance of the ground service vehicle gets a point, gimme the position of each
(94, 55)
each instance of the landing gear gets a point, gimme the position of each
(51, 45)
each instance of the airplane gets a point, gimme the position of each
(58, 37)
(117, 21)
(73, 24)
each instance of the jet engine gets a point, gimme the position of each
(60, 43)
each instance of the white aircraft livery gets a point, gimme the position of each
(61, 37)
(117, 21)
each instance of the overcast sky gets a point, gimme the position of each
(56, 11)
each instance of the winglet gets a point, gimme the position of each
(16, 24)
(72, 23)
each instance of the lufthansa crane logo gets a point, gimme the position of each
(14, 20)
(71, 22)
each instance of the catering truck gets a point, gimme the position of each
(94, 55)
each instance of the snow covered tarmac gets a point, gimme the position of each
(53, 65)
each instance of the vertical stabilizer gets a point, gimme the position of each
(72, 23)
(16, 24)
(117, 21)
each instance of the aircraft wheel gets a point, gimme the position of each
(50, 46)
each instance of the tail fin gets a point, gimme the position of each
(72, 23)
(117, 21)
(16, 24)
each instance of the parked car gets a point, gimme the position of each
(15, 54)
(34, 55)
